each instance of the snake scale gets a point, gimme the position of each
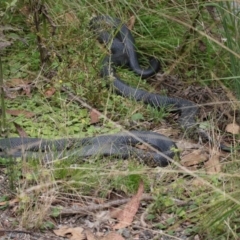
(112, 32)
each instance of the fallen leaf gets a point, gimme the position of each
(100, 217)
(213, 164)
(2, 232)
(72, 233)
(17, 112)
(20, 130)
(114, 213)
(23, 84)
(169, 131)
(126, 215)
(16, 82)
(4, 39)
(90, 235)
(112, 236)
(115, 194)
(194, 158)
(49, 92)
(185, 145)
(94, 116)
(197, 182)
(70, 17)
(233, 128)
(143, 147)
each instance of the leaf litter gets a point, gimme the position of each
(125, 217)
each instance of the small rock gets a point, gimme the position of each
(126, 233)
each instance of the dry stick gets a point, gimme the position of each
(21, 232)
(182, 49)
(40, 9)
(15, 231)
(3, 112)
(97, 207)
(44, 11)
(36, 18)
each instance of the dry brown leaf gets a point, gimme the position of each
(90, 235)
(24, 84)
(112, 236)
(131, 22)
(17, 82)
(194, 158)
(169, 131)
(142, 147)
(49, 92)
(17, 112)
(70, 17)
(114, 212)
(2, 232)
(94, 116)
(72, 233)
(126, 216)
(213, 164)
(197, 182)
(233, 128)
(20, 130)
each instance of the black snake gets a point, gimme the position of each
(112, 32)
(120, 145)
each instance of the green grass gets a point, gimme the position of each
(161, 29)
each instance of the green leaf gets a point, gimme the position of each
(137, 116)
(55, 212)
(3, 198)
(47, 225)
(151, 216)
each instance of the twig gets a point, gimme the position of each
(50, 21)
(190, 32)
(97, 207)
(16, 231)
(34, 234)
(3, 112)
(142, 219)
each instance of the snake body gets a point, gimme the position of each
(111, 32)
(121, 145)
